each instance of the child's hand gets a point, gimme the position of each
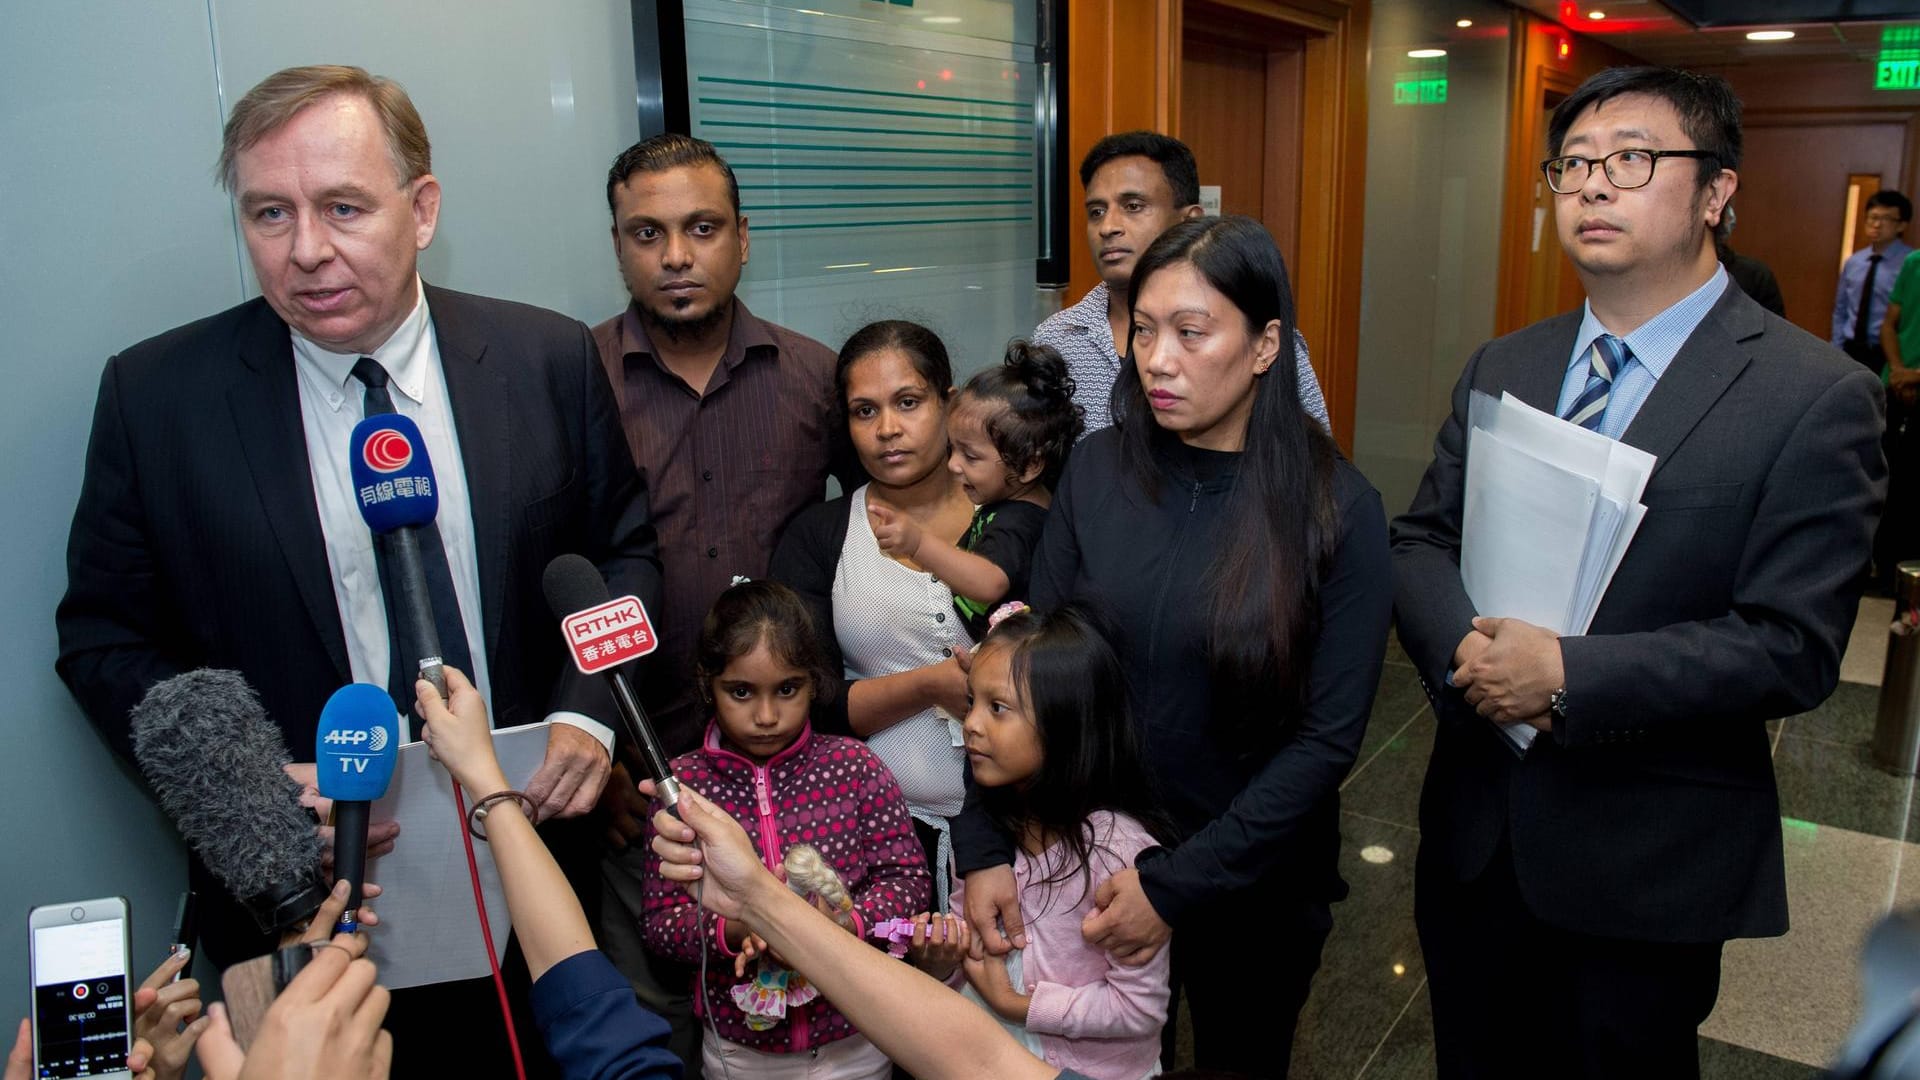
(939, 943)
(751, 949)
(990, 981)
(897, 534)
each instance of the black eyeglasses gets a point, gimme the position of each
(1626, 169)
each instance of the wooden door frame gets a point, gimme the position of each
(1523, 113)
(1333, 148)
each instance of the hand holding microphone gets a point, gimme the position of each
(380, 834)
(457, 732)
(602, 636)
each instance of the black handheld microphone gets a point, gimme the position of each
(354, 751)
(602, 635)
(218, 768)
(394, 486)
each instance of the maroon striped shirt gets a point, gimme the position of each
(725, 472)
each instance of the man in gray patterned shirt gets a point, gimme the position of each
(1139, 184)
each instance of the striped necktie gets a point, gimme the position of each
(1608, 355)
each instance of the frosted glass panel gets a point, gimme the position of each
(887, 169)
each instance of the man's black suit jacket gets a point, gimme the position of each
(197, 539)
(1650, 812)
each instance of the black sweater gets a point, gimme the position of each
(1243, 816)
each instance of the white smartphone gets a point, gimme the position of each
(82, 1003)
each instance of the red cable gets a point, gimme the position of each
(486, 931)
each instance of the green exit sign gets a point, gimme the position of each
(1421, 91)
(1899, 62)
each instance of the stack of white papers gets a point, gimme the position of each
(1550, 509)
(429, 927)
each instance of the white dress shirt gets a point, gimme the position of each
(331, 403)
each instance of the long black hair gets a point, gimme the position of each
(1281, 525)
(1074, 690)
(1028, 410)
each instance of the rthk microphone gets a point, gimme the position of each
(602, 635)
(393, 485)
(354, 752)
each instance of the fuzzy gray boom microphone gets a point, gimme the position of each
(218, 768)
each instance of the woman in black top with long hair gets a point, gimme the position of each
(1243, 563)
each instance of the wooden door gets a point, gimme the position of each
(1240, 95)
(1791, 209)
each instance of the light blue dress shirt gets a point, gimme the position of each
(1654, 346)
(1853, 275)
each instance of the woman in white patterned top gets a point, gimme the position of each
(900, 639)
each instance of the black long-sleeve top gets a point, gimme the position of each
(1243, 815)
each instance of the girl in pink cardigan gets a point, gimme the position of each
(1054, 754)
(760, 665)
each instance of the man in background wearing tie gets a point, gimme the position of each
(1572, 903)
(1867, 277)
(217, 523)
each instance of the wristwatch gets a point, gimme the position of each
(1557, 704)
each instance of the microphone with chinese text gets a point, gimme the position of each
(393, 485)
(354, 752)
(218, 768)
(602, 635)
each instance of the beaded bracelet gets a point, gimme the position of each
(479, 812)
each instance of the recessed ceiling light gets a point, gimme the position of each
(1425, 54)
(1770, 35)
(1596, 14)
(941, 20)
(1464, 23)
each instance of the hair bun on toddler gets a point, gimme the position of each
(1041, 368)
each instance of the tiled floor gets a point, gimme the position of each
(1785, 1003)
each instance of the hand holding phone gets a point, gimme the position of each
(324, 1025)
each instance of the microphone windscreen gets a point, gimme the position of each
(392, 475)
(357, 743)
(217, 766)
(572, 584)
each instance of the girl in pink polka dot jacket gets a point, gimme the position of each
(760, 663)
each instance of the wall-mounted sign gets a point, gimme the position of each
(1899, 66)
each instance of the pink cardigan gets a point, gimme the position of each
(1090, 1013)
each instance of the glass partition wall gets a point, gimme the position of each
(890, 155)
(1436, 139)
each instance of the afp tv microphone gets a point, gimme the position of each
(602, 635)
(394, 487)
(354, 752)
(218, 768)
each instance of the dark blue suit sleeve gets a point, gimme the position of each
(594, 1028)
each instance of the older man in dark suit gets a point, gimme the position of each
(1572, 903)
(217, 524)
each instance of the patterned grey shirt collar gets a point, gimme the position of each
(1083, 338)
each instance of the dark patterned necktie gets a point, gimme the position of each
(1860, 325)
(406, 655)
